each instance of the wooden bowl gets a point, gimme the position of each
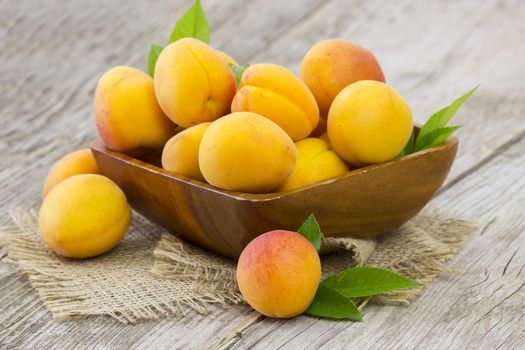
(364, 203)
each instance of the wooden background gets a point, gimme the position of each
(52, 53)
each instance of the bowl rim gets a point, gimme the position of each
(98, 146)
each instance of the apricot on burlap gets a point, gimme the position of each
(152, 273)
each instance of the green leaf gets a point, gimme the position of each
(409, 147)
(436, 137)
(365, 281)
(193, 24)
(238, 71)
(440, 119)
(154, 53)
(311, 231)
(332, 304)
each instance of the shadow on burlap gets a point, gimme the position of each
(152, 273)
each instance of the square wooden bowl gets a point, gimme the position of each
(365, 202)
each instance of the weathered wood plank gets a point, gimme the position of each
(430, 51)
(60, 99)
(47, 78)
(494, 118)
(479, 308)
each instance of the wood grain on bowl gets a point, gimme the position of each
(364, 203)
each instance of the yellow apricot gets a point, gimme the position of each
(369, 122)
(127, 114)
(181, 152)
(331, 65)
(315, 162)
(226, 58)
(192, 83)
(74, 163)
(246, 152)
(278, 273)
(277, 94)
(84, 216)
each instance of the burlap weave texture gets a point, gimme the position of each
(153, 273)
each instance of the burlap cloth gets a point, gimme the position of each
(153, 273)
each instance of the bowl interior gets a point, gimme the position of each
(151, 159)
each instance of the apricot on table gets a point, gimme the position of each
(181, 152)
(369, 122)
(74, 163)
(193, 83)
(127, 114)
(277, 94)
(331, 65)
(84, 216)
(278, 273)
(315, 162)
(246, 152)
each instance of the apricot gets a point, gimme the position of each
(84, 216)
(278, 273)
(331, 65)
(181, 152)
(225, 57)
(127, 114)
(193, 83)
(369, 122)
(246, 152)
(74, 163)
(277, 94)
(315, 162)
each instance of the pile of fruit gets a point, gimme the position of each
(273, 131)
(255, 129)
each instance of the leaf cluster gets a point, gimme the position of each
(336, 295)
(192, 24)
(435, 131)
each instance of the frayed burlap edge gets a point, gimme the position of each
(118, 284)
(184, 277)
(419, 250)
(177, 259)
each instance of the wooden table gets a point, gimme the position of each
(53, 52)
